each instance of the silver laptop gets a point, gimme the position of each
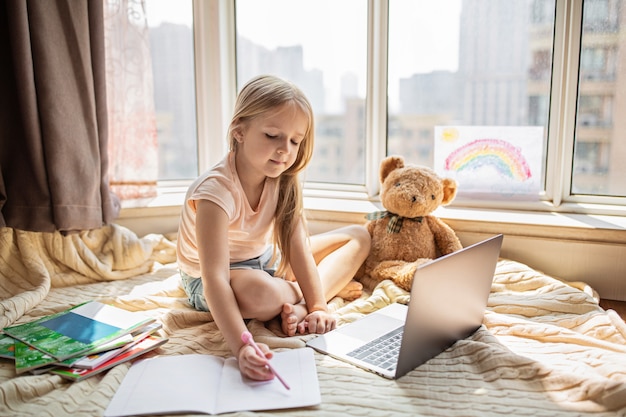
(448, 300)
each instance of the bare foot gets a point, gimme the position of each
(291, 318)
(351, 291)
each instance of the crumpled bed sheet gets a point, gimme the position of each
(546, 348)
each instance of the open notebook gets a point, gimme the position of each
(448, 300)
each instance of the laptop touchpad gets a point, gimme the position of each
(371, 327)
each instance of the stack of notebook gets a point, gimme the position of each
(81, 341)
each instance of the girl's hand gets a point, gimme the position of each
(319, 322)
(254, 366)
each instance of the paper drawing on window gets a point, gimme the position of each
(494, 160)
(497, 153)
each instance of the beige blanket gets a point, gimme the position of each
(546, 347)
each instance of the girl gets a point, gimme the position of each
(243, 248)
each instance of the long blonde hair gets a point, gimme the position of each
(260, 95)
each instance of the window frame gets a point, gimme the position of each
(215, 64)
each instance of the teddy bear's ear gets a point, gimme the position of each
(390, 163)
(449, 190)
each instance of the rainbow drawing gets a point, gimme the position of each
(497, 153)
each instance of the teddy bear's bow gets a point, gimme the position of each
(395, 221)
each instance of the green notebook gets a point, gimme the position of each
(7, 348)
(77, 330)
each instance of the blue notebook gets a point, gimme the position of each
(77, 330)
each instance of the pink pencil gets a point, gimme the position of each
(246, 337)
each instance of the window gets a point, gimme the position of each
(470, 80)
(600, 147)
(172, 53)
(321, 46)
(427, 80)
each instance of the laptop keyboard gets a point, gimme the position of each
(381, 352)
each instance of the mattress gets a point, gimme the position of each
(546, 347)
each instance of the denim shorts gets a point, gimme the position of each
(193, 286)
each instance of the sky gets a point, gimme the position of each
(332, 33)
(172, 11)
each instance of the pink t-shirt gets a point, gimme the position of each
(249, 231)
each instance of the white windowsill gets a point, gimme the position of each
(351, 208)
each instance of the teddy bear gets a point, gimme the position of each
(407, 234)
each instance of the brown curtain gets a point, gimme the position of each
(53, 116)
